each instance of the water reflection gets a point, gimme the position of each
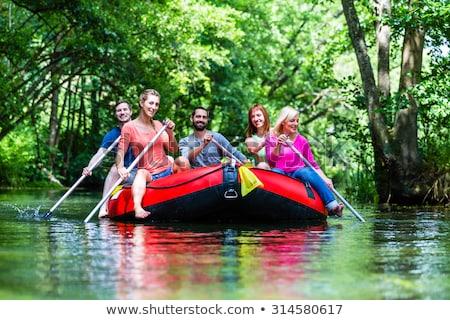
(169, 262)
(396, 254)
(412, 255)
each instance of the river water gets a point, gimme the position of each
(396, 254)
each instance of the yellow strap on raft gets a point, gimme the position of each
(117, 189)
(249, 181)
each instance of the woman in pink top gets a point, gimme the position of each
(155, 163)
(286, 161)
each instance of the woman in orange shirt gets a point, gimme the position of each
(155, 163)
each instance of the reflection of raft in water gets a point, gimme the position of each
(214, 193)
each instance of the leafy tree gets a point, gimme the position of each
(64, 64)
(400, 174)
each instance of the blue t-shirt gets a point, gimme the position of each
(109, 139)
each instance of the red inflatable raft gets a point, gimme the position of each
(214, 194)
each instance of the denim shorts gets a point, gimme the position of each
(131, 177)
(163, 174)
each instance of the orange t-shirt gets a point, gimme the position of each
(155, 159)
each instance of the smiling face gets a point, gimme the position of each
(123, 112)
(150, 105)
(200, 119)
(290, 125)
(257, 118)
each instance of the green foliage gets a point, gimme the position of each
(64, 64)
(433, 95)
(429, 93)
(16, 161)
(225, 56)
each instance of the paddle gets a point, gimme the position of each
(332, 188)
(132, 165)
(226, 151)
(68, 192)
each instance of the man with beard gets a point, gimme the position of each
(200, 148)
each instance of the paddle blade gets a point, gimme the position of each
(45, 215)
(248, 180)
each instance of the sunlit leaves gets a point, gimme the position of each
(186, 37)
(224, 55)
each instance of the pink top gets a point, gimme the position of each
(288, 160)
(155, 160)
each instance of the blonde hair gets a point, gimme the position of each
(286, 114)
(148, 92)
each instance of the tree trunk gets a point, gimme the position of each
(383, 33)
(55, 125)
(397, 161)
(53, 136)
(407, 182)
(381, 141)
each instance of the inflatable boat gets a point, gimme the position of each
(222, 193)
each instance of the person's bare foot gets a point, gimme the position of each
(140, 213)
(338, 210)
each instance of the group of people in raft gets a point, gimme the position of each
(204, 147)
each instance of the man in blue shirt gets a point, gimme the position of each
(198, 148)
(123, 114)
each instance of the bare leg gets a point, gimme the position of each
(110, 180)
(138, 192)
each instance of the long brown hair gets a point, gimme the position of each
(251, 129)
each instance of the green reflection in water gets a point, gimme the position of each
(394, 255)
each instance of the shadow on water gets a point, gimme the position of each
(400, 253)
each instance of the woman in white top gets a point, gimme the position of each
(258, 128)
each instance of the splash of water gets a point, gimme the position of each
(25, 213)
